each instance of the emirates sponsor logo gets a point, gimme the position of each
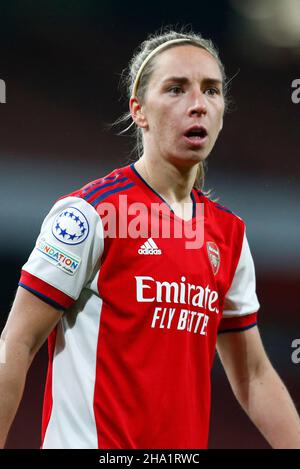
(180, 306)
(150, 290)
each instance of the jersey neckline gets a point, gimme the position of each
(134, 174)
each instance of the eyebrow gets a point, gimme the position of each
(184, 80)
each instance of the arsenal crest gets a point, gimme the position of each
(213, 256)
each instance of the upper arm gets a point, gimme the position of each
(239, 344)
(30, 321)
(242, 355)
(63, 260)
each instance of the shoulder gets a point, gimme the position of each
(73, 214)
(221, 212)
(103, 189)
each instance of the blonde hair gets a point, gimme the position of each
(136, 78)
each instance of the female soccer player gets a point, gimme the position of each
(138, 276)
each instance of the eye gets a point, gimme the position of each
(175, 89)
(213, 91)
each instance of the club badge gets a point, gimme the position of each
(213, 256)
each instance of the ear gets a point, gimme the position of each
(137, 113)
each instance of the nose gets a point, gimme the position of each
(198, 103)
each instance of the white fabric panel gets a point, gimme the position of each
(241, 298)
(72, 422)
(88, 251)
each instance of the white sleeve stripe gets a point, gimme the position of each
(241, 298)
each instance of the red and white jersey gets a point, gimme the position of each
(130, 360)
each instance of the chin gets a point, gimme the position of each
(189, 160)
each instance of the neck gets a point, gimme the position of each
(173, 184)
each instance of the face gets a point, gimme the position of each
(182, 111)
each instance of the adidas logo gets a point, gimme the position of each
(149, 248)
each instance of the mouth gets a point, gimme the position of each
(196, 135)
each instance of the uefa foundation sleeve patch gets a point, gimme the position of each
(61, 258)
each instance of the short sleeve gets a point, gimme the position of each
(241, 303)
(67, 251)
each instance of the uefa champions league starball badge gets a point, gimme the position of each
(70, 226)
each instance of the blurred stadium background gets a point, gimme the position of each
(61, 62)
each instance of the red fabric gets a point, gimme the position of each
(158, 328)
(228, 324)
(153, 386)
(46, 290)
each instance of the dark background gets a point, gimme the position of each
(61, 62)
